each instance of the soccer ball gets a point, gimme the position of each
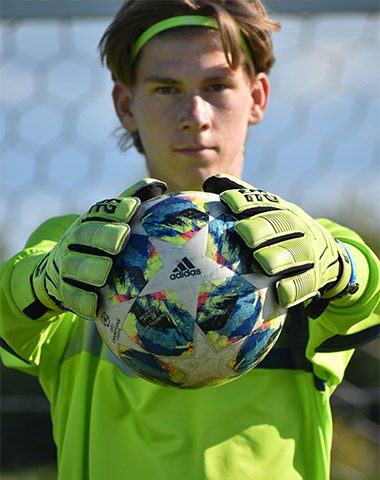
(184, 305)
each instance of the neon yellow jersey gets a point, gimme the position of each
(272, 423)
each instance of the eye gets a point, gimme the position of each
(165, 90)
(216, 87)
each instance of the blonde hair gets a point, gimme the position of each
(235, 18)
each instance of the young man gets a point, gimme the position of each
(190, 77)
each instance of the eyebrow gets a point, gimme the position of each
(217, 77)
(158, 79)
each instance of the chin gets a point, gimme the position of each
(189, 182)
(184, 187)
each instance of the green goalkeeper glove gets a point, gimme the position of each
(69, 276)
(287, 243)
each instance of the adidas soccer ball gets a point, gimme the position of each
(184, 305)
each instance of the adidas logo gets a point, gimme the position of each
(184, 269)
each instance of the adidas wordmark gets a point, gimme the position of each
(185, 268)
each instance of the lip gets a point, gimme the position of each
(194, 150)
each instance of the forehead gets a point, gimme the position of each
(182, 50)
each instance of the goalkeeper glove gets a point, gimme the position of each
(68, 277)
(287, 243)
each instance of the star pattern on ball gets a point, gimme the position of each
(111, 323)
(205, 363)
(186, 287)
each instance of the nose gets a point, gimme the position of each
(195, 114)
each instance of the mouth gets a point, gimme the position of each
(194, 150)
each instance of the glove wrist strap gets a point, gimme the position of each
(352, 286)
(36, 310)
(22, 289)
(38, 280)
(346, 285)
(317, 306)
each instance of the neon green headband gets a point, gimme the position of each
(173, 22)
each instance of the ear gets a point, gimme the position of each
(260, 95)
(123, 101)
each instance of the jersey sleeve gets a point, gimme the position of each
(22, 338)
(348, 322)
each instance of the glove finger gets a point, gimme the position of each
(286, 257)
(113, 210)
(221, 182)
(145, 189)
(249, 202)
(268, 228)
(107, 237)
(85, 268)
(296, 289)
(81, 302)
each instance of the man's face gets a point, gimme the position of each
(190, 108)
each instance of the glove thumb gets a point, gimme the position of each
(145, 189)
(221, 182)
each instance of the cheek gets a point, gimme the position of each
(237, 111)
(155, 139)
(153, 120)
(147, 126)
(236, 125)
(234, 134)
